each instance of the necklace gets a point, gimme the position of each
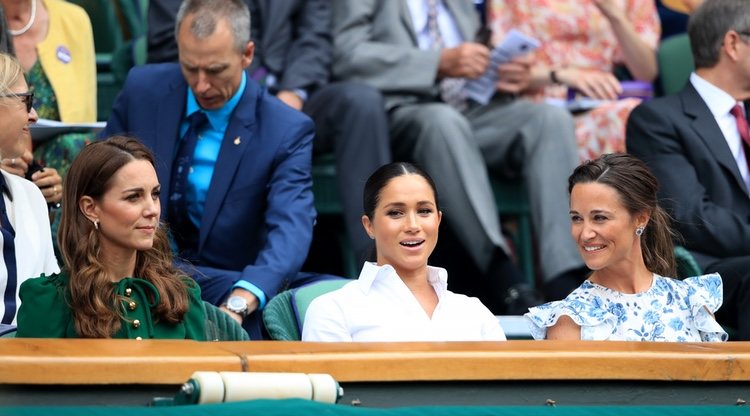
(30, 23)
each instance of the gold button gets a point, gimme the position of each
(136, 324)
(132, 305)
(128, 292)
(138, 339)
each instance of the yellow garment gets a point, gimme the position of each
(68, 58)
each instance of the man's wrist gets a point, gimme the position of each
(239, 305)
(248, 301)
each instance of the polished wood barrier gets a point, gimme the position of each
(47, 361)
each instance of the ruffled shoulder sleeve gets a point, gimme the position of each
(585, 308)
(44, 311)
(705, 296)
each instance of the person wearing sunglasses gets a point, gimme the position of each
(25, 235)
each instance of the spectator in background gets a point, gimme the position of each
(623, 235)
(292, 59)
(697, 144)
(118, 280)
(6, 43)
(399, 297)
(582, 43)
(53, 41)
(418, 54)
(239, 201)
(674, 15)
(24, 224)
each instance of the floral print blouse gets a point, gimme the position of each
(671, 310)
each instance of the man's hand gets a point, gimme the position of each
(291, 99)
(514, 76)
(17, 165)
(467, 60)
(50, 183)
(252, 304)
(592, 83)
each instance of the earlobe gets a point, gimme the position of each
(88, 208)
(368, 226)
(731, 40)
(247, 56)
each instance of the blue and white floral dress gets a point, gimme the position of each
(671, 310)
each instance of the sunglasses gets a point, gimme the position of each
(26, 97)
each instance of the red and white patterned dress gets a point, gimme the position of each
(574, 33)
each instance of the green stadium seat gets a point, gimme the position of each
(675, 64)
(285, 313)
(222, 327)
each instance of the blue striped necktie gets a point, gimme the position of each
(9, 257)
(183, 229)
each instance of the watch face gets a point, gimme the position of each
(236, 304)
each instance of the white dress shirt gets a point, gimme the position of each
(720, 103)
(380, 307)
(446, 24)
(27, 213)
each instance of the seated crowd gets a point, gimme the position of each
(199, 188)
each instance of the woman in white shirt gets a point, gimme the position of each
(400, 297)
(25, 238)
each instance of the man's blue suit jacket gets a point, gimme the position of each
(259, 213)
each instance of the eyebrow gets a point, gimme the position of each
(140, 189)
(402, 204)
(596, 211)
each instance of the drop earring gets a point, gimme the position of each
(96, 224)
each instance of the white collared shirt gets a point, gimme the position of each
(380, 307)
(446, 24)
(720, 103)
(27, 213)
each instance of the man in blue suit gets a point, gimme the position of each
(243, 215)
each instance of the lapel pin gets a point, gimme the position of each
(237, 140)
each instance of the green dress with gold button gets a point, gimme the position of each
(45, 310)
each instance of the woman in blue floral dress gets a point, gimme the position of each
(624, 237)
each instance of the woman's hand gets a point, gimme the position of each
(50, 183)
(595, 84)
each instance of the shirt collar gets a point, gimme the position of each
(437, 276)
(719, 102)
(218, 118)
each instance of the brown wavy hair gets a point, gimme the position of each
(97, 310)
(637, 187)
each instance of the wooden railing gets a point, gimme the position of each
(47, 361)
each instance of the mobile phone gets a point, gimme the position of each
(34, 167)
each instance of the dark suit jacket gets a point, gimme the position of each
(679, 139)
(258, 218)
(292, 37)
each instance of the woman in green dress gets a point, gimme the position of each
(119, 280)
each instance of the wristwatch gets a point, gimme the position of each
(238, 305)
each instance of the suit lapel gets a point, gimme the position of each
(170, 112)
(406, 20)
(238, 134)
(705, 126)
(467, 22)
